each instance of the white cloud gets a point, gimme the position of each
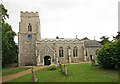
(69, 17)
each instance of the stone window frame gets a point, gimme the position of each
(29, 27)
(75, 51)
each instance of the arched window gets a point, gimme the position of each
(75, 52)
(61, 53)
(29, 27)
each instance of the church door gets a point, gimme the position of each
(91, 57)
(47, 60)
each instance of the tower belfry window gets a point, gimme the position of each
(29, 27)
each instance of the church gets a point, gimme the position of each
(33, 50)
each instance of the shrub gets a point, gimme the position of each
(53, 67)
(109, 55)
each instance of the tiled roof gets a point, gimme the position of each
(91, 43)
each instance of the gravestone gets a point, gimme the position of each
(65, 70)
(60, 65)
(34, 79)
(93, 62)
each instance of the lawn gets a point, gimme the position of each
(76, 73)
(12, 70)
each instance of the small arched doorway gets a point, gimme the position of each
(47, 60)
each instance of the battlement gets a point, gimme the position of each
(27, 14)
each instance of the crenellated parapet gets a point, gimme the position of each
(28, 14)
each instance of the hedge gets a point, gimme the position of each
(109, 55)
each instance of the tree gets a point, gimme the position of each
(109, 55)
(3, 13)
(9, 47)
(117, 36)
(104, 40)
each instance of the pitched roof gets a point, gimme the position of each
(92, 43)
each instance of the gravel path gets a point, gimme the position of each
(19, 74)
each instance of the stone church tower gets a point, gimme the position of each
(29, 33)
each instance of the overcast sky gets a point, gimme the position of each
(68, 18)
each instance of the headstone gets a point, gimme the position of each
(93, 62)
(60, 65)
(62, 68)
(65, 70)
(34, 79)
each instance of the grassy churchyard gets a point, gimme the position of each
(12, 70)
(76, 73)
